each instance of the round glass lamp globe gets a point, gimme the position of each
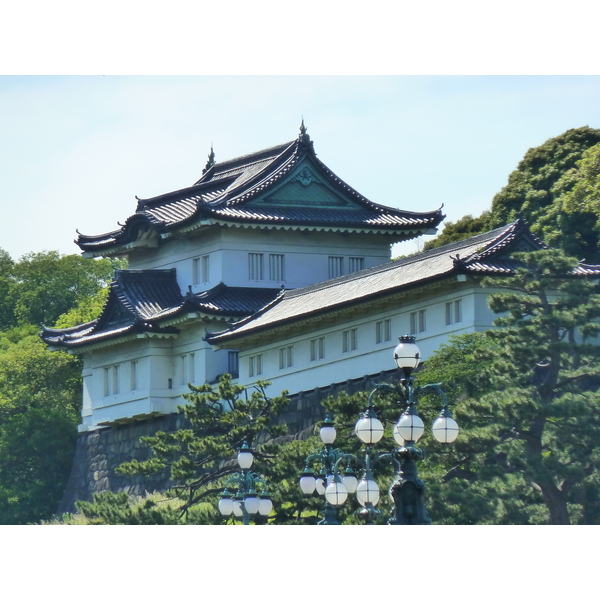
(328, 434)
(367, 491)
(251, 504)
(409, 428)
(407, 354)
(245, 459)
(237, 508)
(307, 484)
(265, 507)
(225, 506)
(445, 430)
(350, 482)
(368, 430)
(336, 493)
(320, 486)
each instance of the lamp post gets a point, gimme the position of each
(249, 500)
(330, 479)
(369, 430)
(407, 490)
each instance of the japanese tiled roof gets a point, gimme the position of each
(240, 192)
(484, 254)
(140, 301)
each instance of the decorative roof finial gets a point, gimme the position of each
(304, 138)
(302, 127)
(211, 160)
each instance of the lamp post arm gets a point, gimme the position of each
(343, 458)
(435, 387)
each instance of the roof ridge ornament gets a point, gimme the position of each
(211, 160)
(304, 138)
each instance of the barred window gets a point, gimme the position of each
(111, 380)
(205, 275)
(418, 322)
(188, 374)
(255, 266)
(383, 331)
(453, 312)
(336, 266)
(195, 271)
(349, 340)
(233, 363)
(134, 375)
(255, 365)
(356, 263)
(317, 349)
(286, 357)
(276, 267)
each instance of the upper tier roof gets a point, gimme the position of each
(140, 301)
(286, 186)
(485, 254)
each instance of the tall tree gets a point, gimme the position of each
(535, 191)
(40, 400)
(534, 435)
(48, 284)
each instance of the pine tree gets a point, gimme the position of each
(531, 435)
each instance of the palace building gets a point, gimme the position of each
(239, 240)
(271, 267)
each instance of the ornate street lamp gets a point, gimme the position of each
(251, 499)
(330, 479)
(407, 490)
(369, 430)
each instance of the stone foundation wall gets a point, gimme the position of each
(98, 453)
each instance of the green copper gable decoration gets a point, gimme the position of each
(305, 186)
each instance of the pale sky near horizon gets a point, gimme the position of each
(76, 150)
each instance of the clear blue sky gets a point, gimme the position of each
(75, 150)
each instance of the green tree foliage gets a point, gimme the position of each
(465, 227)
(6, 309)
(535, 191)
(201, 457)
(528, 450)
(40, 391)
(40, 401)
(47, 284)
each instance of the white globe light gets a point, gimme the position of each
(245, 459)
(226, 506)
(251, 504)
(445, 430)
(266, 506)
(336, 493)
(320, 486)
(367, 491)
(369, 430)
(328, 434)
(307, 484)
(350, 481)
(237, 508)
(409, 428)
(407, 354)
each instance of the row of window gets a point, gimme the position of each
(418, 319)
(276, 267)
(112, 378)
(256, 271)
(383, 333)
